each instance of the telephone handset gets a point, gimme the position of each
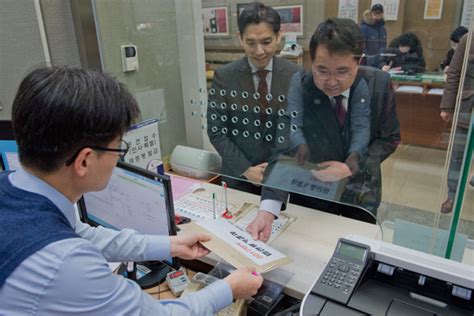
(343, 271)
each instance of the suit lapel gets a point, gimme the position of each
(324, 114)
(245, 78)
(280, 81)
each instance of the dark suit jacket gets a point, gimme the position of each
(240, 135)
(364, 188)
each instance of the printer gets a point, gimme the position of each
(372, 277)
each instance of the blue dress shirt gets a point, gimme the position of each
(72, 276)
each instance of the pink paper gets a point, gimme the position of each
(181, 186)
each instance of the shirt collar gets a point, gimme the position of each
(346, 93)
(23, 180)
(268, 67)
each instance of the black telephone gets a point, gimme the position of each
(343, 272)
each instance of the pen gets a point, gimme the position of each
(227, 214)
(214, 205)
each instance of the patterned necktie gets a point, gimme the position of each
(262, 89)
(340, 111)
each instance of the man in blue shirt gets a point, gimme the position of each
(68, 125)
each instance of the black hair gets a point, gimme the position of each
(256, 13)
(377, 8)
(408, 39)
(58, 110)
(458, 33)
(339, 36)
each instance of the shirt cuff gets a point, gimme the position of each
(158, 248)
(220, 294)
(271, 206)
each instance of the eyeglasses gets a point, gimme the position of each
(122, 151)
(338, 75)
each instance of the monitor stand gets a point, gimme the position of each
(155, 276)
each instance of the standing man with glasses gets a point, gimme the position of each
(68, 124)
(332, 113)
(246, 98)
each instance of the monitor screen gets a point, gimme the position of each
(8, 147)
(134, 198)
(9, 155)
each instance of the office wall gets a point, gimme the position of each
(434, 34)
(60, 32)
(313, 14)
(22, 48)
(151, 26)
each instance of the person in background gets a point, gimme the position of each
(245, 98)
(448, 103)
(454, 40)
(375, 35)
(68, 124)
(409, 54)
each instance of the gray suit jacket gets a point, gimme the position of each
(239, 132)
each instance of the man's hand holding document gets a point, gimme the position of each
(237, 247)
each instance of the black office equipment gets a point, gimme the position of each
(138, 199)
(393, 280)
(6, 130)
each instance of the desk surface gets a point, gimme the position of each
(309, 241)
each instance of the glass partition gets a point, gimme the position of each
(385, 157)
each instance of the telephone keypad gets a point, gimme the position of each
(340, 273)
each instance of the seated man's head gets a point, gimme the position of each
(335, 48)
(376, 12)
(68, 119)
(407, 42)
(259, 32)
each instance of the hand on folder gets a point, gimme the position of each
(333, 171)
(255, 173)
(261, 227)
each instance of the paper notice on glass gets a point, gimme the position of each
(286, 174)
(467, 13)
(237, 247)
(144, 145)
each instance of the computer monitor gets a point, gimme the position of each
(8, 148)
(6, 130)
(138, 199)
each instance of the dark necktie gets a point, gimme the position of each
(340, 111)
(262, 89)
